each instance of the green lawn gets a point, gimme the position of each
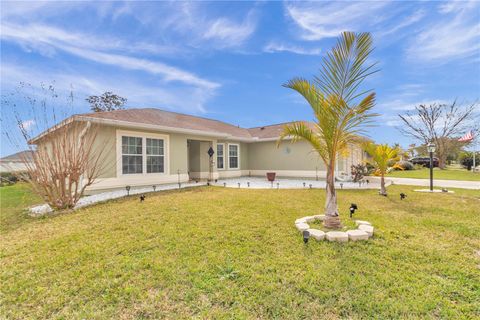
(447, 174)
(223, 253)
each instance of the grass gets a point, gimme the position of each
(222, 253)
(13, 201)
(446, 174)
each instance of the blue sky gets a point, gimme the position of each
(228, 60)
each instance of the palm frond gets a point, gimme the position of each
(344, 68)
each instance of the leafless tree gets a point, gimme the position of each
(67, 156)
(441, 124)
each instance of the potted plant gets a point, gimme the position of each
(271, 176)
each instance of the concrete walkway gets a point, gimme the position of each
(289, 183)
(436, 183)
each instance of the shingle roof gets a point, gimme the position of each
(272, 131)
(19, 156)
(174, 120)
(159, 117)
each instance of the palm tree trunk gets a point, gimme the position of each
(383, 190)
(332, 220)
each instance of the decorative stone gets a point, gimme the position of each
(302, 226)
(320, 217)
(337, 236)
(317, 234)
(360, 222)
(309, 219)
(356, 235)
(367, 228)
(301, 220)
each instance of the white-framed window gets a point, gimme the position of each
(233, 156)
(155, 155)
(140, 153)
(220, 156)
(132, 155)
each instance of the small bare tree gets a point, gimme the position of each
(66, 157)
(438, 123)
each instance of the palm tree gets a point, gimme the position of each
(381, 155)
(340, 109)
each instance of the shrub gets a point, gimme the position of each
(391, 162)
(358, 172)
(396, 167)
(466, 159)
(405, 165)
(8, 178)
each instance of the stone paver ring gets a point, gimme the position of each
(364, 230)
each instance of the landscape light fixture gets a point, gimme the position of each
(353, 207)
(239, 184)
(248, 184)
(128, 190)
(304, 184)
(310, 185)
(224, 184)
(154, 187)
(341, 185)
(431, 150)
(278, 185)
(306, 236)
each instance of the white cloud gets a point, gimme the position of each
(171, 97)
(272, 47)
(455, 36)
(400, 104)
(319, 20)
(27, 124)
(42, 38)
(411, 19)
(228, 33)
(193, 23)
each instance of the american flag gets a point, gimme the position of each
(467, 137)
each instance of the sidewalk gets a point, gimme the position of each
(436, 183)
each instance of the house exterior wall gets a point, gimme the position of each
(289, 159)
(187, 158)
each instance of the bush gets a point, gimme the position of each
(391, 163)
(358, 172)
(7, 178)
(405, 165)
(466, 159)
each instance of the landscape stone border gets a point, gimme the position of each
(364, 230)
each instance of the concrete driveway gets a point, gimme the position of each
(436, 183)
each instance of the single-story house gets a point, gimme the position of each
(16, 162)
(152, 146)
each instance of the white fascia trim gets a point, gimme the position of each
(155, 127)
(136, 125)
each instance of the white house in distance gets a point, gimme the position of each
(16, 162)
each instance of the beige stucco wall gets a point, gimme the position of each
(289, 156)
(255, 158)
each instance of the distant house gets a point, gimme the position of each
(16, 162)
(152, 146)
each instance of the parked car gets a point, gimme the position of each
(424, 161)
